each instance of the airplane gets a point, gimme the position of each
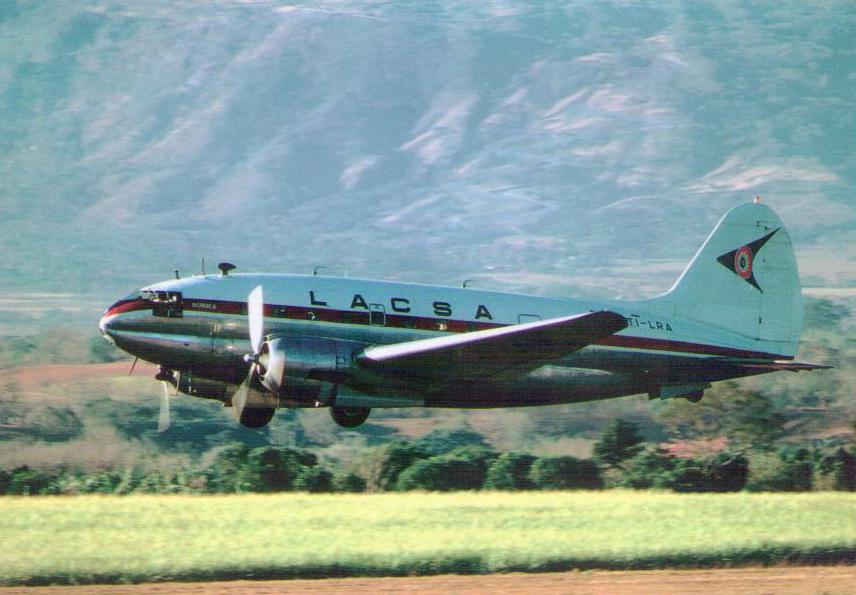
(258, 342)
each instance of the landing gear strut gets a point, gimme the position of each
(165, 375)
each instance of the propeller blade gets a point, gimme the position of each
(163, 415)
(239, 399)
(256, 318)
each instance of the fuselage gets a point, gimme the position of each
(198, 326)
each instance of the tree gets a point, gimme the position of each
(235, 468)
(659, 470)
(844, 470)
(349, 482)
(785, 472)
(441, 441)
(752, 420)
(510, 471)
(748, 419)
(727, 472)
(462, 469)
(275, 469)
(565, 473)
(648, 469)
(620, 441)
(314, 479)
(389, 461)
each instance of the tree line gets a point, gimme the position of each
(461, 460)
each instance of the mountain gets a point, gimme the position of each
(570, 149)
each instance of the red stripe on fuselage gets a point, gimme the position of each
(128, 306)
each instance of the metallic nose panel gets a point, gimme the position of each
(104, 324)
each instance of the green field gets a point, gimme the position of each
(145, 538)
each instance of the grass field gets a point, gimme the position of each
(142, 538)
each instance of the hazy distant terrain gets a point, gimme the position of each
(575, 149)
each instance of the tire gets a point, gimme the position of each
(256, 417)
(349, 417)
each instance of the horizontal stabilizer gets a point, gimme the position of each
(515, 349)
(775, 366)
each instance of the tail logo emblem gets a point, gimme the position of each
(740, 261)
(743, 262)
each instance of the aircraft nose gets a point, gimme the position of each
(104, 324)
(107, 326)
(109, 320)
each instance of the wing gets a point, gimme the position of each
(515, 349)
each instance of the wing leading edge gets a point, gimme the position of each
(515, 349)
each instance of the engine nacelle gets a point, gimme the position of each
(191, 385)
(299, 369)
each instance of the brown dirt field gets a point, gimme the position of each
(30, 378)
(739, 581)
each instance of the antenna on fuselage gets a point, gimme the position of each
(466, 281)
(316, 269)
(225, 267)
(203, 266)
(177, 276)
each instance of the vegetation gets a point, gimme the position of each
(620, 441)
(406, 466)
(50, 540)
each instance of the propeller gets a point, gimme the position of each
(167, 378)
(163, 415)
(256, 321)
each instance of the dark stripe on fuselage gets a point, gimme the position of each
(361, 317)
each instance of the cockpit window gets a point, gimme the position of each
(167, 304)
(161, 297)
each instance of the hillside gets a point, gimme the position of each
(576, 149)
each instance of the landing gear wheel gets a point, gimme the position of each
(256, 417)
(695, 397)
(349, 417)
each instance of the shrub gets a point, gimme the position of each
(24, 481)
(565, 473)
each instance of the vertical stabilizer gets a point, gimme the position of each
(744, 281)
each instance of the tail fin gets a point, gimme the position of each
(744, 281)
